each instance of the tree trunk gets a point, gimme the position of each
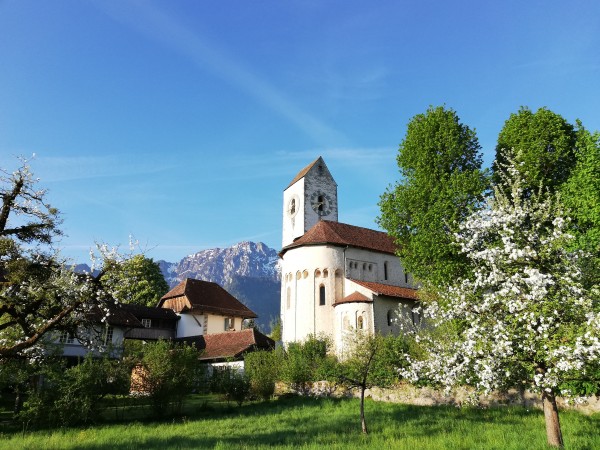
(362, 410)
(553, 432)
(18, 400)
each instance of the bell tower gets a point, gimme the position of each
(310, 197)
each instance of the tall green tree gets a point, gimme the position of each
(441, 182)
(137, 280)
(543, 146)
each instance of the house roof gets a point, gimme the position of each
(230, 344)
(388, 290)
(209, 297)
(149, 312)
(116, 316)
(355, 297)
(342, 234)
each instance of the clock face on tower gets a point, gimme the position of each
(321, 203)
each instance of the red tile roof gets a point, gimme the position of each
(208, 297)
(303, 172)
(231, 344)
(337, 233)
(387, 290)
(355, 297)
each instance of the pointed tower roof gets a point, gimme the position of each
(303, 172)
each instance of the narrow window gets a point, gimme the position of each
(320, 201)
(360, 323)
(293, 206)
(390, 318)
(108, 335)
(385, 270)
(289, 297)
(416, 316)
(406, 277)
(325, 273)
(321, 295)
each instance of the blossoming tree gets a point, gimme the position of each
(524, 317)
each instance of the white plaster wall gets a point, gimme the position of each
(382, 305)
(216, 323)
(293, 227)
(351, 311)
(190, 325)
(370, 267)
(303, 272)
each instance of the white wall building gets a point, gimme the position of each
(336, 277)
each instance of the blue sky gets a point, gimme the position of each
(181, 122)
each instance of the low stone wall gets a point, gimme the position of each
(409, 394)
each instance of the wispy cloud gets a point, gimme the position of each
(67, 168)
(154, 23)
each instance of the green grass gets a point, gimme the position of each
(323, 424)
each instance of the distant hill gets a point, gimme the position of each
(247, 270)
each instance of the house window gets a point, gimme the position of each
(385, 270)
(229, 323)
(406, 277)
(321, 295)
(108, 335)
(147, 323)
(320, 201)
(66, 338)
(416, 318)
(293, 207)
(390, 317)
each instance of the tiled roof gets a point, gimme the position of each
(303, 172)
(355, 297)
(149, 312)
(117, 316)
(387, 290)
(209, 297)
(230, 344)
(336, 233)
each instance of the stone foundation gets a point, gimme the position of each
(426, 396)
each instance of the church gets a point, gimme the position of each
(336, 277)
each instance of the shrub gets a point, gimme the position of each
(262, 368)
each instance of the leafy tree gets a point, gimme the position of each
(136, 280)
(307, 362)
(441, 182)
(232, 383)
(262, 368)
(73, 395)
(524, 316)
(543, 146)
(167, 372)
(371, 360)
(38, 292)
(581, 197)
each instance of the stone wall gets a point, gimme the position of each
(409, 394)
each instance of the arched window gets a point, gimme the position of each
(390, 317)
(322, 295)
(320, 201)
(385, 270)
(317, 273)
(325, 273)
(293, 206)
(305, 273)
(360, 323)
(298, 275)
(346, 322)
(289, 297)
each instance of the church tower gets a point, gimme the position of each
(310, 197)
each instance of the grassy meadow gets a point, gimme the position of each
(311, 423)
